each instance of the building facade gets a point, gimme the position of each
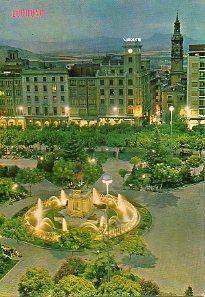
(196, 84)
(114, 88)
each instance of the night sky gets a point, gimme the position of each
(74, 19)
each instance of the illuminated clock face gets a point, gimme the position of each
(130, 50)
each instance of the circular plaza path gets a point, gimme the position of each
(176, 240)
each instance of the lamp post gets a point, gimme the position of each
(107, 180)
(171, 109)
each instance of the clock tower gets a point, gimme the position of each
(177, 54)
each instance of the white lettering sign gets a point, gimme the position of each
(132, 39)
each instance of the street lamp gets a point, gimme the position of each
(171, 109)
(107, 180)
(20, 110)
(14, 187)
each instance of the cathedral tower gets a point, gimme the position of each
(177, 54)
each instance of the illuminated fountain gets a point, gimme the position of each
(64, 225)
(91, 210)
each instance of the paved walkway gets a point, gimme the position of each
(21, 163)
(176, 240)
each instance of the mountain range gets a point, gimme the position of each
(103, 44)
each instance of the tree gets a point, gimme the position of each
(123, 172)
(119, 286)
(63, 172)
(76, 239)
(10, 191)
(189, 291)
(149, 288)
(133, 245)
(35, 282)
(48, 162)
(73, 148)
(74, 265)
(116, 140)
(72, 285)
(30, 177)
(97, 271)
(91, 172)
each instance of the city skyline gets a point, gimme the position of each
(111, 18)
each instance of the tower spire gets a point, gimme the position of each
(177, 18)
(177, 25)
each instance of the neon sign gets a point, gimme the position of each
(132, 39)
(27, 13)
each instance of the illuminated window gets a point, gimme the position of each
(54, 88)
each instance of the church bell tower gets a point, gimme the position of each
(177, 54)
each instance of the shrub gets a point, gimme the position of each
(149, 288)
(72, 285)
(76, 239)
(74, 265)
(36, 282)
(119, 286)
(194, 161)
